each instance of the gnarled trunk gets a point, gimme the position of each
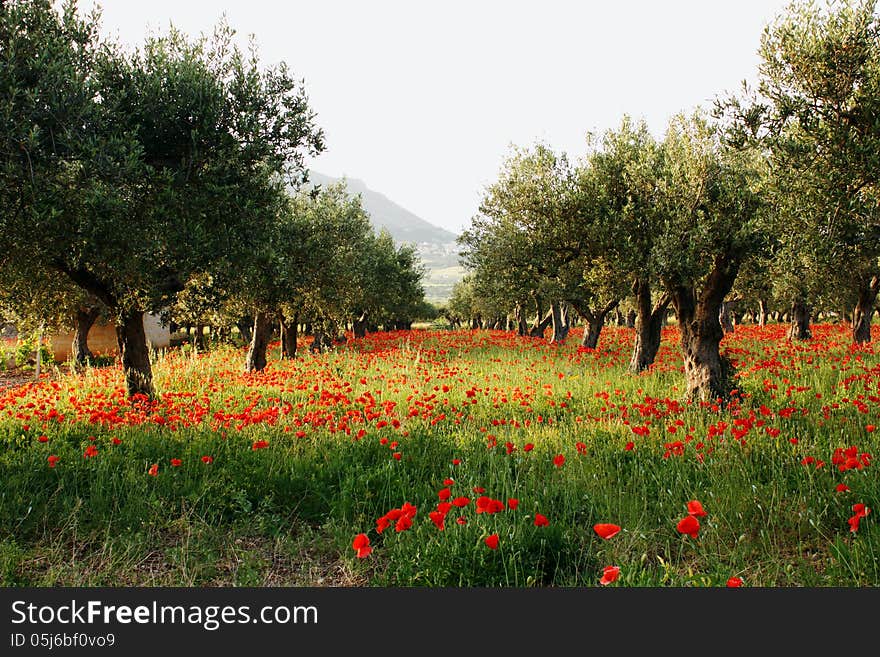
(359, 326)
(537, 331)
(522, 327)
(595, 322)
(289, 336)
(726, 315)
(709, 374)
(649, 321)
(134, 352)
(83, 321)
(260, 336)
(200, 342)
(762, 312)
(323, 340)
(244, 327)
(560, 323)
(864, 310)
(800, 321)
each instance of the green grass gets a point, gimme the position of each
(287, 514)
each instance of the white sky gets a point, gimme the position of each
(422, 100)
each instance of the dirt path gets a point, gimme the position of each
(12, 379)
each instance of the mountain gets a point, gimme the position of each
(436, 246)
(403, 225)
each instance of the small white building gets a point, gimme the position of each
(102, 338)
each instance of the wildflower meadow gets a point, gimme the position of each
(450, 458)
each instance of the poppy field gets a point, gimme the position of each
(464, 458)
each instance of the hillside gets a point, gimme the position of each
(436, 246)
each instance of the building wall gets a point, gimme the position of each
(102, 338)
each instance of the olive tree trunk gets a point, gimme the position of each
(709, 374)
(289, 336)
(559, 321)
(800, 321)
(649, 321)
(762, 312)
(245, 329)
(134, 353)
(864, 310)
(595, 323)
(359, 326)
(83, 322)
(537, 331)
(726, 316)
(260, 336)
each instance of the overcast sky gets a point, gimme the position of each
(422, 100)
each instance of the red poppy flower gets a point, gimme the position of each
(53, 460)
(438, 518)
(456, 461)
(176, 462)
(154, 470)
(492, 542)
(461, 502)
(396, 455)
(528, 447)
(448, 481)
(461, 520)
(361, 545)
(43, 439)
(859, 511)
(444, 494)
(688, 525)
(259, 444)
(629, 446)
(541, 520)
(207, 459)
(403, 523)
(558, 460)
(841, 488)
(854, 523)
(695, 508)
(609, 574)
(444, 507)
(91, 451)
(870, 428)
(512, 503)
(606, 530)
(734, 582)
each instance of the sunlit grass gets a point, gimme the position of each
(352, 434)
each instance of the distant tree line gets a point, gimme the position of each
(171, 178)
(767, 205)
